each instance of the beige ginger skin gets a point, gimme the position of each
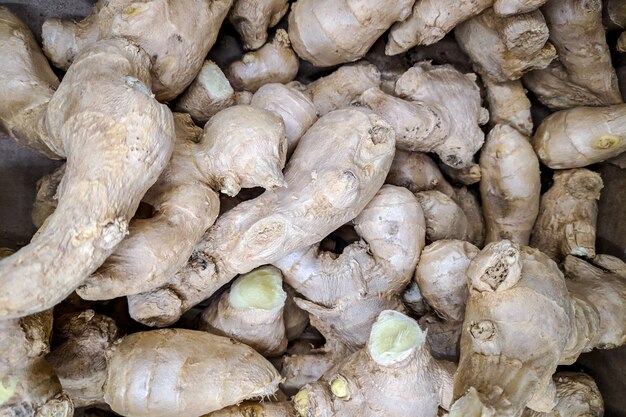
(263, 409)
(116, 148)
(445, 219)
(582, 136)
(332, 32)
(395, 364)
(467, 176)
(566, 224)
(416, 172)
(275, 62)
(241, 146)
(46, 197)
(336, 169)
(510, 187)
(252, 18)
(186, 31)
(508, 104)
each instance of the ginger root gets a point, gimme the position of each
(252, 18)
(577, 395)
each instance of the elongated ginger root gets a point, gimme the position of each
(445, 219)
(336, 169)
(583, 75)
(582, 136)
(456, 98)
(186, 30)
(265, 409)
(26, 84)
(577, 395)
(396, 364)
(251, 311)
(241, 146)
(116, 147)
(209, 93)
(294, 106)
(510, 187)
(331, 32)
(275, 62)
(508, 104)
(252, 18)
(567, 216)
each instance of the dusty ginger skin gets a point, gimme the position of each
(251, 311)
(275, 62)
(396, 364)
(252, 18)
(263, 409)
(46, 199)
(186, 31)
(351, 149)
(241, 146)
(510, 187)
(332, 32)
(27, 84)
(445, 219)
(466, 176)
(582, 136)
(577, 395)
(145, 368)
(417, 172)
(456, 98)
(116, 148)
(566, 224)
(508, 104)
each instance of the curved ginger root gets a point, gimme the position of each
(241, 146)
(186, 31)
(336, 169)
(252, 18)
(116, 148)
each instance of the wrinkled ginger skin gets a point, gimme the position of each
(186, 31)
(275, 62)
(241, 146)
(566, 224)
(416, 172)
(332, 32)
(263, 409)
(117, 139)
(466, 176)
(336, 169)
(252, 18)
(577, 395)
(456, 98)
(430, 21)
(510, 187)
(26, 85)
(582, 136)
(508, 104)
(146, 368)
(445, 219)
(24, 340)
(512, 7)
(46, 197)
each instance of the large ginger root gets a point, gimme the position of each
(116, 147)
(510, 187)
(567, 216)
(26, 85)
(209, 93)
(294, 106)
(583, 74)
(186, 31)
(582, 136)
(252, 18)
(336, 169)
(241, 146)
(445, 219)
(264, 409)
(508, 104)
(342, 87)
(577, 395)
(395, 364)
(275, 62)
(251, 311)
(456, 98)
(504, 48)
(331, 32)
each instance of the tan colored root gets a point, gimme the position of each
(504, 48)
(510, 186)
(331, 32)
(146, 367)
(444, 217)
(241, 146)
(117, 147)
(294, 106)
(265, 409)
(79, 356)
(456, 98)
(430, 21)
(468, 201)
(27, 84)
(46, 199)
(186, 31)
(583, 75)
(513, 7)
(252, 18)
(566, 224)
(243, 97)
(342, 87)
(576, 395)
(416, 172)
(582, 136)
(466, 176)
(209, 93)
(508, 104)
(351, 149)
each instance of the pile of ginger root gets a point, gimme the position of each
(263, 213)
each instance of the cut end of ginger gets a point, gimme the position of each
(261, 288)
(394, 337)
